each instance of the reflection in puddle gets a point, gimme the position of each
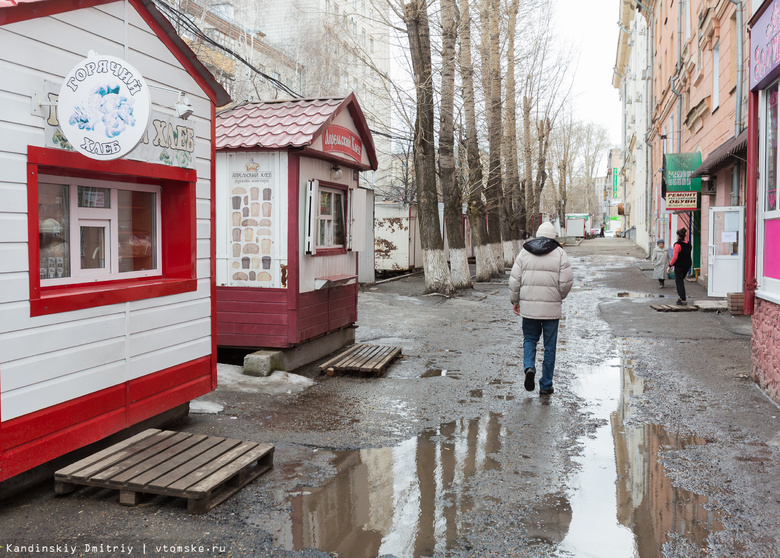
(549, 521)
(409, 500)
(634, 295)
(647, 511)
(437, 372)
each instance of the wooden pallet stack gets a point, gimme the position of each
(736, 302)
(362, 359)
(205, 470)
(674, 308)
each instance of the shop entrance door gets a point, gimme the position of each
(726, 251)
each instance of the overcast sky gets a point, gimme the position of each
(591, 25)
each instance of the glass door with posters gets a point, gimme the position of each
(726, 251)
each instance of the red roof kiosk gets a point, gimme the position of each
(289, 220)
(106, 224)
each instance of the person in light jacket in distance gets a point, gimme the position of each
(660, 262)
(541, 278)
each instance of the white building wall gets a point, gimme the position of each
(46, 360)
(634, 97)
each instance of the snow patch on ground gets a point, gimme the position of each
(232, 378)
(200, 407)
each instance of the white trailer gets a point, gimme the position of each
(577, 224)
(396, 237)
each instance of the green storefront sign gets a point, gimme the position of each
(678, 168)
(614, 182)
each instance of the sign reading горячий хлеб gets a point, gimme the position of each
(104, 107)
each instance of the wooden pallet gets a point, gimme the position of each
(673, 308)
(364, 359)
(206, 470)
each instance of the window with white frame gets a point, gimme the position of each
(91, 230)
(331, 218)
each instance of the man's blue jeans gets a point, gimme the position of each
(532, 330)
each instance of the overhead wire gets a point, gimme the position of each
(182, 20)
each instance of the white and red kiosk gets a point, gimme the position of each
(106, 224)
(290, 219)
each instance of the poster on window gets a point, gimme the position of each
(252, 226)
(168, 140)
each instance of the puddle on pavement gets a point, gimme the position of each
(646, 510)
(438, 372)
(634, 295)
(549, 521)
(409, 500)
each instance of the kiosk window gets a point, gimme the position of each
(330, 227)
(97, 233)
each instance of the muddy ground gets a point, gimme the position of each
(656, 441)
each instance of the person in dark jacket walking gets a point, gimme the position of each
(541, 278)
(681, 262)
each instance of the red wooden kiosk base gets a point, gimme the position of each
(34, 439)
(249, 317)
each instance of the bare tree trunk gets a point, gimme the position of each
(512, 186)
(476, 208)
(437, 274)
(543, 128)
(453, 197)
(528, 166)
(491, 84)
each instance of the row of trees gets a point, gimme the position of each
(486, 122)
(500, 88)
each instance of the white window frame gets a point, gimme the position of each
(108, 217)
(76, 270)
(330, 218)
(768, 287)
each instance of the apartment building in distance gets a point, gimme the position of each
(221, 37)
(344, 46)
(631, 79)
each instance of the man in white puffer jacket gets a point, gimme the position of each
(541, 278)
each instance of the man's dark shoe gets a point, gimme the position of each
(682, 303)
(529, 379)
(546, 391)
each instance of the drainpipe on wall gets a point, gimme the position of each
(738, 109)
(751, 199)
(677, 76)
(679, 110)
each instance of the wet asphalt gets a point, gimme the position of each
(656, 441)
